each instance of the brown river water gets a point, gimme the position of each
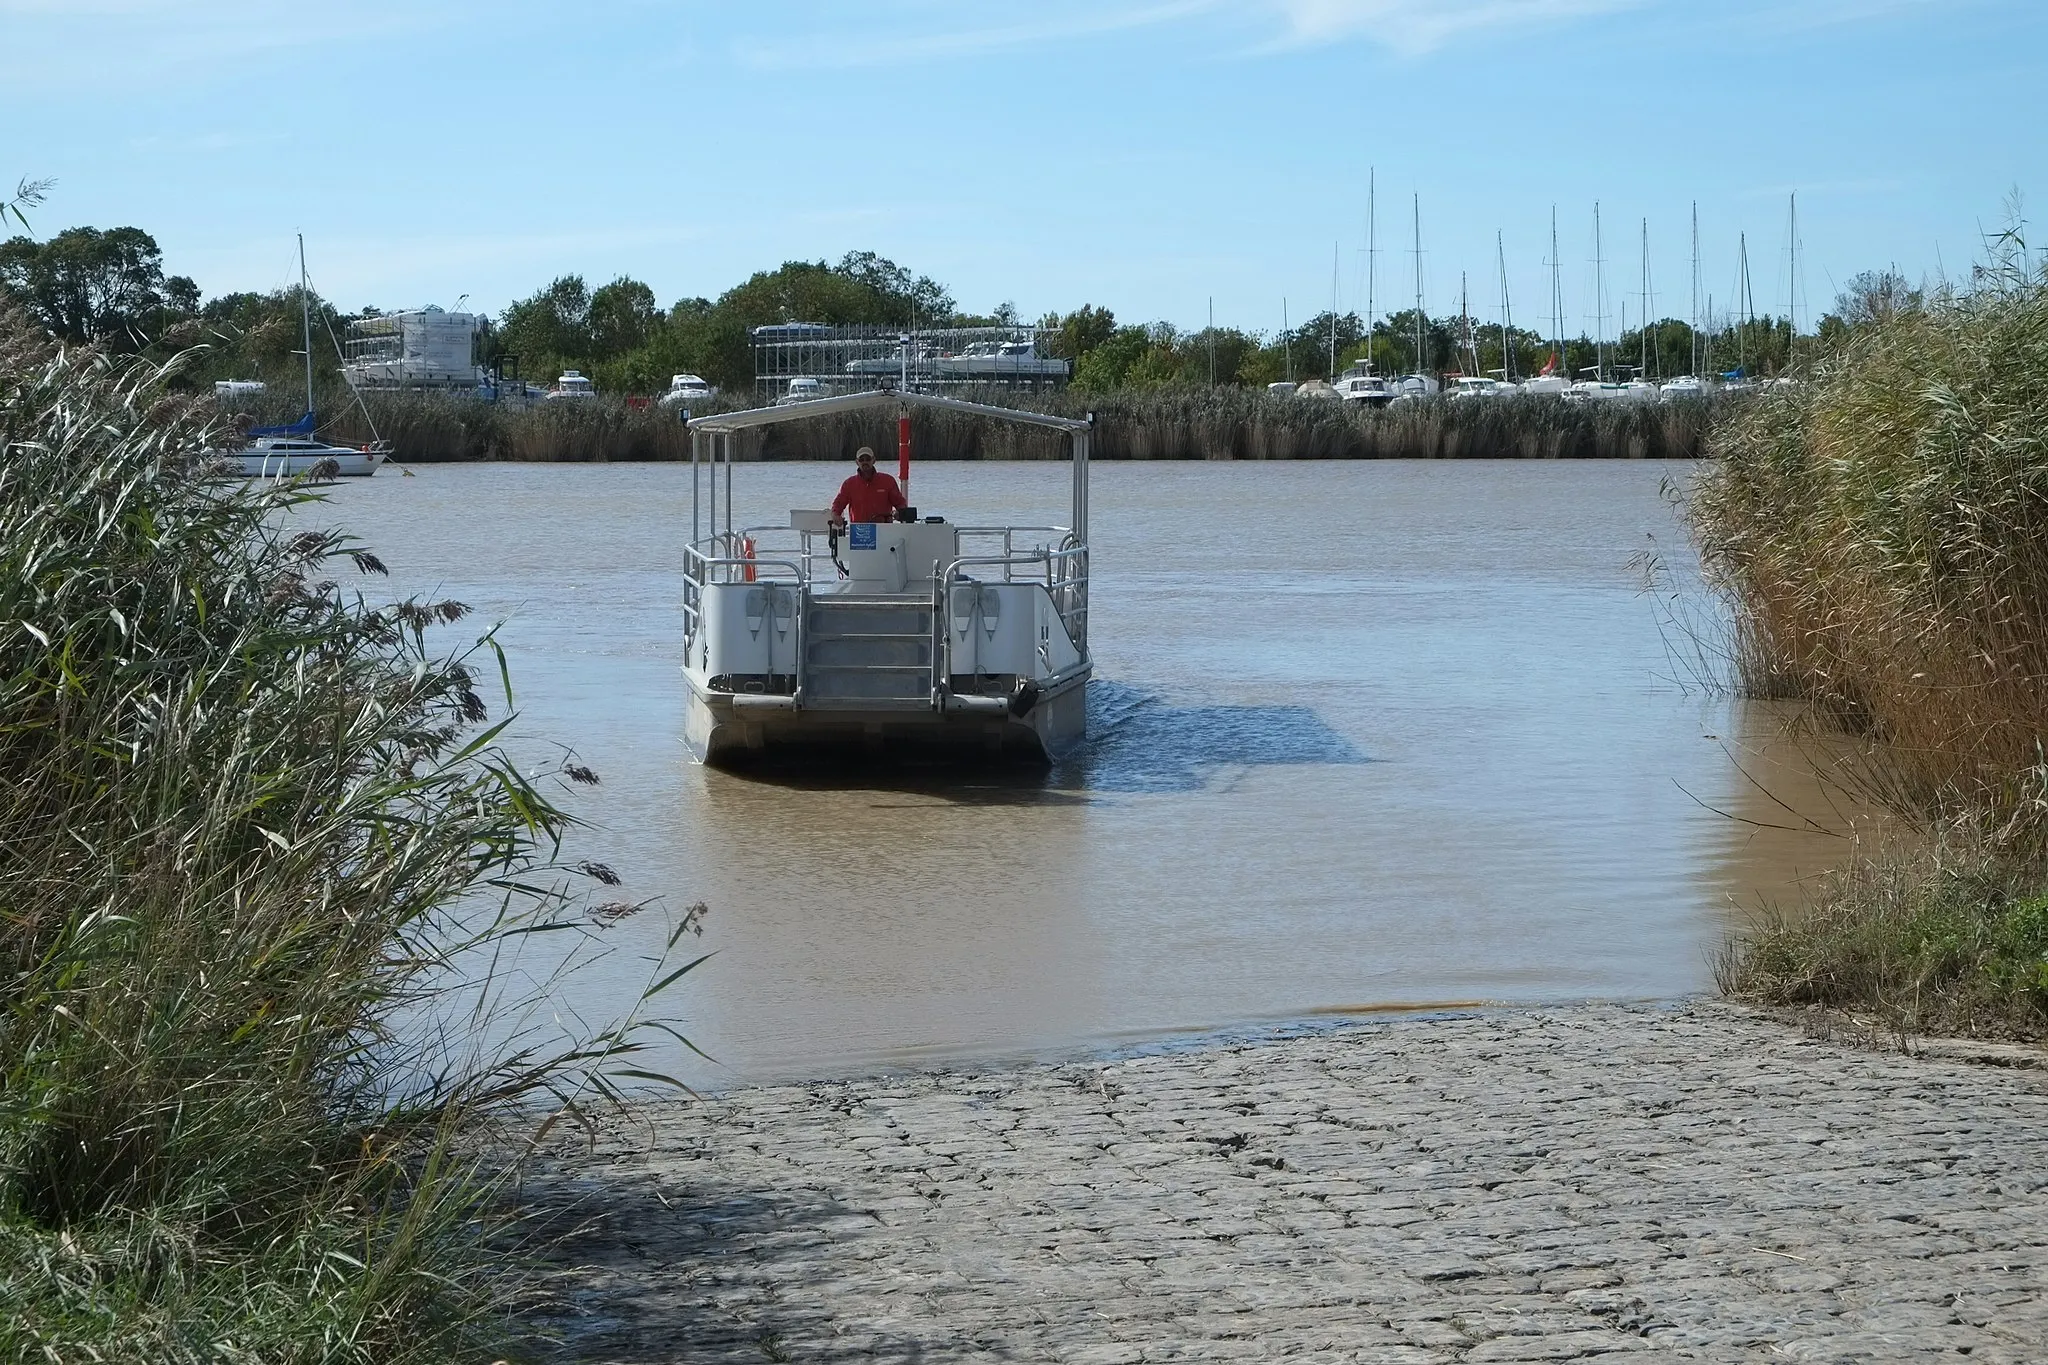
(1364, 736)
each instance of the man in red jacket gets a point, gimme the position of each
(868, 495)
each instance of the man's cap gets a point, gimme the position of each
(864, 453)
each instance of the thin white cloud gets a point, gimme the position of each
(841, 49)
(1414, 28)
(62, 46)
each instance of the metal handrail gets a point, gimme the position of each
(1072, 586)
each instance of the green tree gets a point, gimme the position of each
(1078, 333)
(622, 318)
(87, 285)
(1105, 365)
(551, 328)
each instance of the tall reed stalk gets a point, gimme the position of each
(246, 824)
(1883, 533)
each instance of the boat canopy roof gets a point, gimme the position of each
(879, 398)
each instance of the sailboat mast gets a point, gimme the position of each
(1507, 317)
(306, 321)
(1420, 363)
(1599, 303)
(1556, 298)
(1792, 271)
(1372, 251)
(1693, 350)
(1289, 338)
(1333, 311)
(1747, 301)
(1643, 369)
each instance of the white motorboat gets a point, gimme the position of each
(1682, 388)
(688, 390)
(1000, 359)
(803, 389)
(1597, 391)
(1412, 386)
(807, 636)
(572, 385)
(1316, 388)
(1465, 387)
(1361, 386)
(1546, 385)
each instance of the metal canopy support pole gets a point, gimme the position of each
(696, 520)
(728, 491)
(903, 452)
(1081, 523)
(1081, 482)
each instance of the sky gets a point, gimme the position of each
(1156, 157)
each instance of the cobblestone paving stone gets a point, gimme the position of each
(1654, 1183)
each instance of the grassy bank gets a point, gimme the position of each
(1883, 535)
(248, 822)
(1205, 424)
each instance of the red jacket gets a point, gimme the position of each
(873, 499)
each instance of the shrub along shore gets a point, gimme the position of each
(249, 821)
(1202, 424)
(1883, 536)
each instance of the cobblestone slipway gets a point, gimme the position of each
(1646, 1183)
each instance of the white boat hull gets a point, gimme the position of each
(340, 463)
(727, 729)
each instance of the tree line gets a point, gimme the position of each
(110, 286)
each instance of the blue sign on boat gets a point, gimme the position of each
(863, 535)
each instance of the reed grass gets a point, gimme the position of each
(1198, 424)
(1882, 535)
(247, 823)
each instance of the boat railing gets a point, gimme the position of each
(725, 558)
(1064, 572)
(780, 556)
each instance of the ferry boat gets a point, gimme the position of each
(914, 634)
